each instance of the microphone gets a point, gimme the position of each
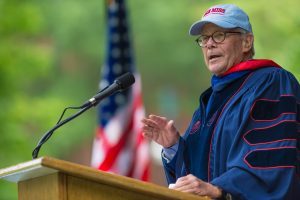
(121, 83)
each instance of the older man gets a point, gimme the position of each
(243, 139)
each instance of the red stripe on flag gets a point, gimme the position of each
(139, 142)
(113, 152)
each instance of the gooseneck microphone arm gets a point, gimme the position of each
(120, 84)
(47, 135)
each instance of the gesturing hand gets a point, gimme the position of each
(161, 130)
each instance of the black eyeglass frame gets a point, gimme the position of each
(201, 44)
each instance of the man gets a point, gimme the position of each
(243, 140)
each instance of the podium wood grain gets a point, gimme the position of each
(48, 178)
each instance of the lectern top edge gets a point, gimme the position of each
(24, 171)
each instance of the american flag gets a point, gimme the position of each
(119, 146)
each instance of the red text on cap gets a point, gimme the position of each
(219, 11)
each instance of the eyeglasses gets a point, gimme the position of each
(217, 37)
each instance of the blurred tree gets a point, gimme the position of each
(41, 70)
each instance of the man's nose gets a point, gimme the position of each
(210, 43)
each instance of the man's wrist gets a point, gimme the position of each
(224, 195)
(169, 153)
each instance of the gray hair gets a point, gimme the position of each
(251, 53)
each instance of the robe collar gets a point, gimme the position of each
(239, 70)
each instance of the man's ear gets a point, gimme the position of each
(248, 42)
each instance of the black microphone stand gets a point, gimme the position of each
(47, 135)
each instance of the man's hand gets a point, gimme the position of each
(192, 184)
(161, 130)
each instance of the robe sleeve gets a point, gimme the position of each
(176, 167)
(259, 136)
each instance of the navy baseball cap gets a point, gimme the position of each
(225, 16)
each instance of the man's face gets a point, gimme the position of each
(219, 57)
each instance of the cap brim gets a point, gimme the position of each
(196, 28)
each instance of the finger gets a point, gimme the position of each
(150, 123)
(150, 129)
(145, 121)
(148, 135)
(182, 188)
(170, 125)
(197, 187)
(186, 181)
(158, 119)
(150, 132)
(183, 179)
(192, 187)
(181, 184)
(162, 121)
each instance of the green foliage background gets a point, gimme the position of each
(51, 53)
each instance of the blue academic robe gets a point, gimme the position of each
(244, 136)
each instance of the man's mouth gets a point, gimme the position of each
(213, 57)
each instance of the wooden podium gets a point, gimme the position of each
(47, 178)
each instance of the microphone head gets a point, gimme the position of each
(125, 80)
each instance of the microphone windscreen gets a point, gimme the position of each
(125, 80)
